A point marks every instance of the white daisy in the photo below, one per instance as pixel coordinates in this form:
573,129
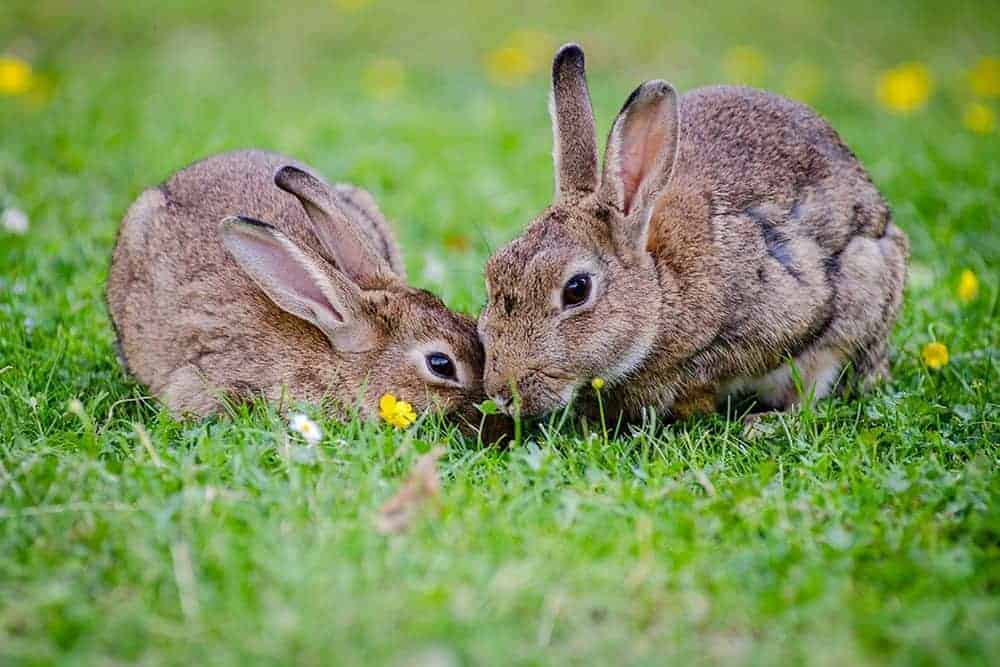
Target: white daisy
306,427
14,221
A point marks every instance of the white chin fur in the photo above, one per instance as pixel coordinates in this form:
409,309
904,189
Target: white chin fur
632,359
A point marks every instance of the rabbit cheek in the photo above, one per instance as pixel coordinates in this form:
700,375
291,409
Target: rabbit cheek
623,328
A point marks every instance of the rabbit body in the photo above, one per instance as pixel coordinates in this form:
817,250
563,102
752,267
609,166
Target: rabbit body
778,245
198,321
730,233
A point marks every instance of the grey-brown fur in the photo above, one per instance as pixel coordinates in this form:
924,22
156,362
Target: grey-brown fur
757,239
196,328
574,143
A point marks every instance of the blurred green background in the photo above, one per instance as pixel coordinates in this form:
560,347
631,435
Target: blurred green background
441,109
855,532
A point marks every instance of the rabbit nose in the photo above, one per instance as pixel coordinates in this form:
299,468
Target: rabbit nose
500,392
503,399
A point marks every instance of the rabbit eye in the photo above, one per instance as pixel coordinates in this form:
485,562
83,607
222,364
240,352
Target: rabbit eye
576,290
441,365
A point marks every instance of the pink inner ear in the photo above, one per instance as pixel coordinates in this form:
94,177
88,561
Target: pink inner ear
642,142
278,269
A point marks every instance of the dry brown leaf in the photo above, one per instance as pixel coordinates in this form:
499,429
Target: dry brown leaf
422,485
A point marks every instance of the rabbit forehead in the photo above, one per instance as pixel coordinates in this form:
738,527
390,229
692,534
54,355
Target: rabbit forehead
419,317
560,240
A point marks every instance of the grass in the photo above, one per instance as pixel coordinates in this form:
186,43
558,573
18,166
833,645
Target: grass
853,532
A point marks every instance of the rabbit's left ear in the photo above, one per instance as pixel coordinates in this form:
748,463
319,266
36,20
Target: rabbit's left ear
573,130
640,154
297,283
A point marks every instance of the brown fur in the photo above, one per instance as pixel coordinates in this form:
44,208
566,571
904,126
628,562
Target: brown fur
732,232
195,327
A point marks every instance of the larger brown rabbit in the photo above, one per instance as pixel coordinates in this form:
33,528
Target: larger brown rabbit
301,297
731,236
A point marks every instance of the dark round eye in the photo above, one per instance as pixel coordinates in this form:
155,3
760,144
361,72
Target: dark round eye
441,365
576,290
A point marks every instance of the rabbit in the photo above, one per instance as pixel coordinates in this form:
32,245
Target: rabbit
731,246
247,275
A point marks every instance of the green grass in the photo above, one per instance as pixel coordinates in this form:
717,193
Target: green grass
853,532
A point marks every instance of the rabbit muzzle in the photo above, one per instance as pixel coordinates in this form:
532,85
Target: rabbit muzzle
530,391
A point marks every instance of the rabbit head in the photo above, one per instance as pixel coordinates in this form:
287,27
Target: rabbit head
577,295
381,335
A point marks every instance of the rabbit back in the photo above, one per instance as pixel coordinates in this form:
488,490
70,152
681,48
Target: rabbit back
805,262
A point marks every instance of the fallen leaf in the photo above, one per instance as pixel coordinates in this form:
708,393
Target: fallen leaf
456,242
422,485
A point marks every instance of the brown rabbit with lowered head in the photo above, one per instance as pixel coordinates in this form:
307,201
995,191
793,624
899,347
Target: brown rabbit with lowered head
247,275
731,236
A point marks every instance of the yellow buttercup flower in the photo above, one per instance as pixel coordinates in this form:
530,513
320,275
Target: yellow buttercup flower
935,355
16,77
744,64
906,88
985,77
979,118
968,286
398,413
597,384
383,78
523,53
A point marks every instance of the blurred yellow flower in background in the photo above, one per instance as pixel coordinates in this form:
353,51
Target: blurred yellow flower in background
456,241
935,355
16,76
398,413
744,64
968,286
905,88
383,78
351,5
979,118
597,383
803,81
523,54
985,77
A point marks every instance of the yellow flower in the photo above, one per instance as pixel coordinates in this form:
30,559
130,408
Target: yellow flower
979,118
16,77
935,355
905,88
744,64
398,413
597,384
383,78
523,53
968,286
985,77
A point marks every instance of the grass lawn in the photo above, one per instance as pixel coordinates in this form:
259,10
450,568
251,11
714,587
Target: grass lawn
851,533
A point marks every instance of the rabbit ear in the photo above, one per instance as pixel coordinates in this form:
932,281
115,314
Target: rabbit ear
574,135
640,154
347,245
297,283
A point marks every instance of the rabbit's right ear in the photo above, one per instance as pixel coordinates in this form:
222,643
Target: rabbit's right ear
347,245
573,132
297,283
640,154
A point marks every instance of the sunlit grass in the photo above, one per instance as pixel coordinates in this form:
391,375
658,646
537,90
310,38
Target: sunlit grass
860,531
